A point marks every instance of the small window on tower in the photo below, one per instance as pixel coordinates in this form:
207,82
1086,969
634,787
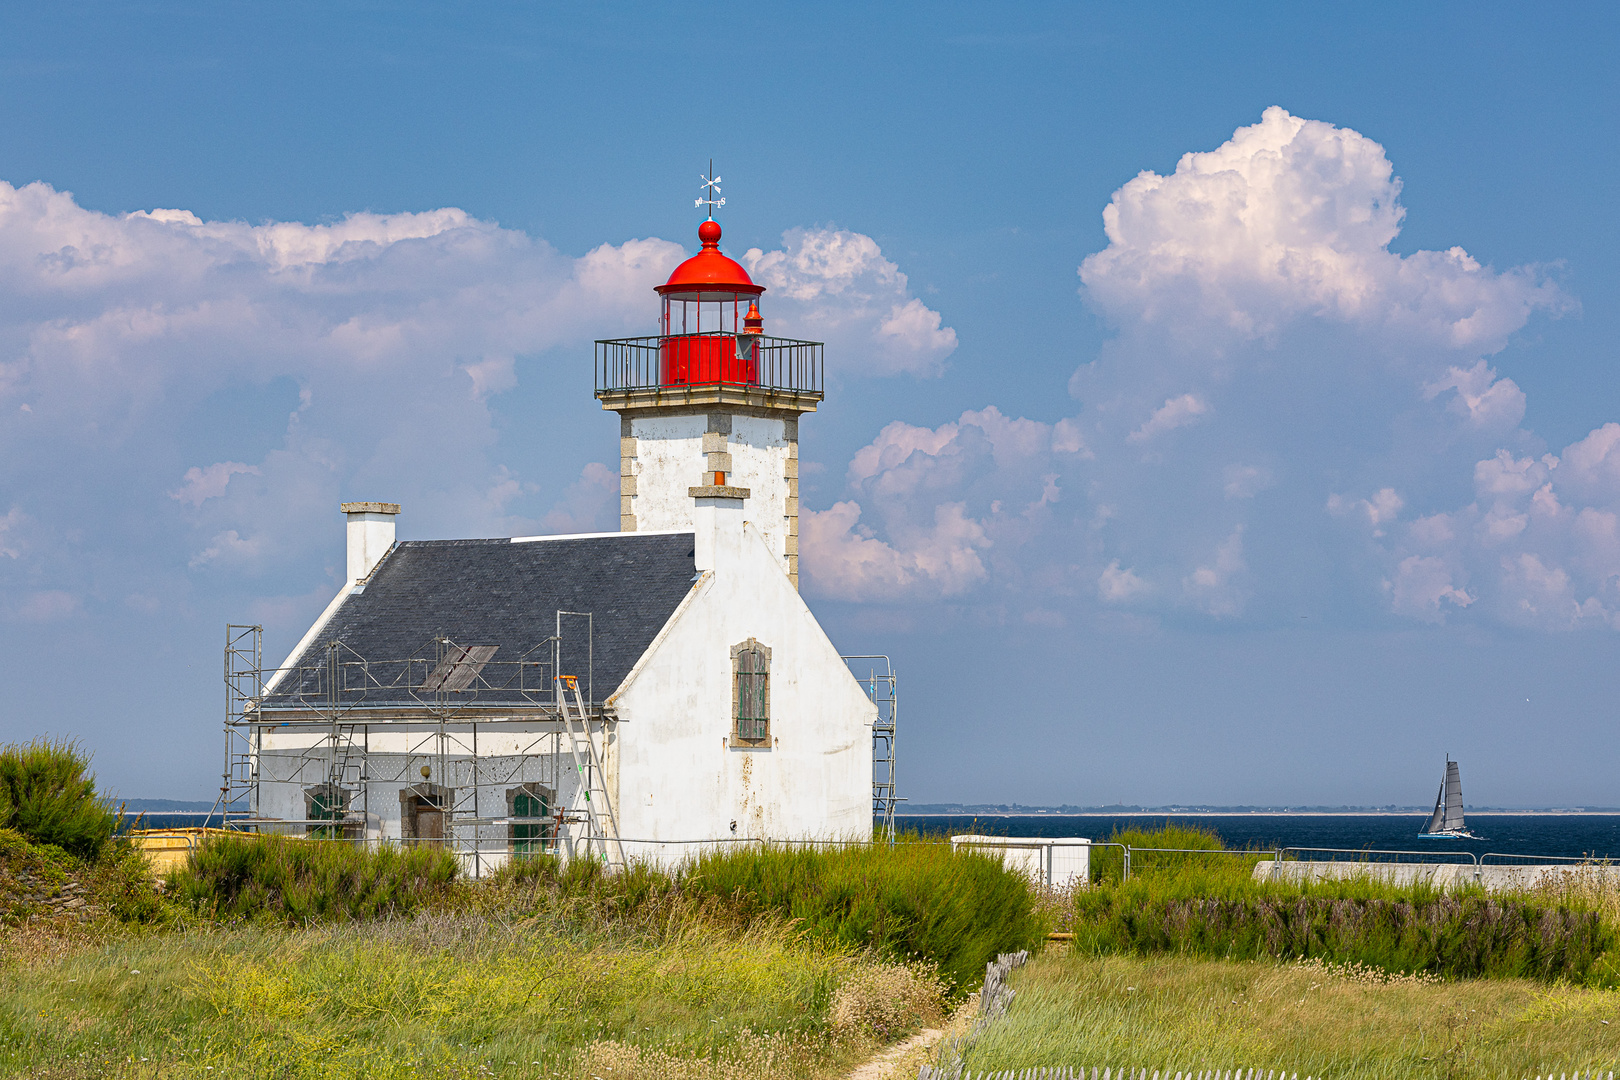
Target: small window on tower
751,692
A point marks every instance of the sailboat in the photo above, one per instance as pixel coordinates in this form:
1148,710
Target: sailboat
1446,823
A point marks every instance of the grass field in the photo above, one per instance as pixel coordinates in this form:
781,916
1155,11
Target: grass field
1183,1013
298,959
315,959
452,995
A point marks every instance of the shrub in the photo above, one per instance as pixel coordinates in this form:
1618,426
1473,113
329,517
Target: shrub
299,879
915,901
123,884
1451,935
48,795
1213,907
1108,863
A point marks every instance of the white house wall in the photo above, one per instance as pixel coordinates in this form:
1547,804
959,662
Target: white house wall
679,777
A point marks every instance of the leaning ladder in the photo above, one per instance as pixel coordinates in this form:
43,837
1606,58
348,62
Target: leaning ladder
603,823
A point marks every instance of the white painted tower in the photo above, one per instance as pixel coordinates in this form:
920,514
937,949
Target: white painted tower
709,408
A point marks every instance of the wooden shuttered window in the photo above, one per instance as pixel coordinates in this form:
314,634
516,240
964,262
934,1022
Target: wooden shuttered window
751,692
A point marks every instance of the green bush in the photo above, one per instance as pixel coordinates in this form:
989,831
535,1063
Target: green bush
299,879
1211,906
48,795
1455,935
1108,863
915,901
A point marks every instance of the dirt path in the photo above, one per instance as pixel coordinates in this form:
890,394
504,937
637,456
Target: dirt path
889,1064
901,1061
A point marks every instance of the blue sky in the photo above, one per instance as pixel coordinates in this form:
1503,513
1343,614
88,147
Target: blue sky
1286,484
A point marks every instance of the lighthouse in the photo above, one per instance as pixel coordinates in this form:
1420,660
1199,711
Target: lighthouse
644,694
709,407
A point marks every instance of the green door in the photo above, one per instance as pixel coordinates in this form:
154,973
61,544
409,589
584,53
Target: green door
529,837
325,806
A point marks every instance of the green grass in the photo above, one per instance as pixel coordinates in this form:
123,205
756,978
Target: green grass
442,995
1181,1013
1211,906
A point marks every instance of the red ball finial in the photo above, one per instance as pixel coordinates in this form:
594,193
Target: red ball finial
709,233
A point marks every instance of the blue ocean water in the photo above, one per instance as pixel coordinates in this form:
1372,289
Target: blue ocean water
1560,835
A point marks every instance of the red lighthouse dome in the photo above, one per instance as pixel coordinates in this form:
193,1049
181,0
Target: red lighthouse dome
709,275
706,339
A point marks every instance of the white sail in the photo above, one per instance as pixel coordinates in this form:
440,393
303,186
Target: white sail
1454,805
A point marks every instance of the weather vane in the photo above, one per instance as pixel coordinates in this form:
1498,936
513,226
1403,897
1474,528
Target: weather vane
711,188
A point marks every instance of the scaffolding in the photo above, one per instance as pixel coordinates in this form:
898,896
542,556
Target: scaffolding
472,744
882,686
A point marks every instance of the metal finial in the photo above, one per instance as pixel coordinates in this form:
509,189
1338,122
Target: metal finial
711,188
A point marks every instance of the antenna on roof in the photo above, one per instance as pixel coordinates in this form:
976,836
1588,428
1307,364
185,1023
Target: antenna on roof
711,188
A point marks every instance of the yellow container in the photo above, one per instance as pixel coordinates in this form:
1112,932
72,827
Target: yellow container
166,850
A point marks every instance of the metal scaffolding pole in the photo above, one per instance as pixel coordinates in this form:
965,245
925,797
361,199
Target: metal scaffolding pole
881,685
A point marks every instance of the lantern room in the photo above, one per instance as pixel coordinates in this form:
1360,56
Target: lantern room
711,336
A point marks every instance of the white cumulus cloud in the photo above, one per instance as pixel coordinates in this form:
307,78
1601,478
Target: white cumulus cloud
1486,401
1115,583
203,483
1293,218
1539,545
1175,412
1269,340
1217,586
837,286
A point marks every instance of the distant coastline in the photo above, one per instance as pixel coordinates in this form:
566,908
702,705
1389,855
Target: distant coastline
160,806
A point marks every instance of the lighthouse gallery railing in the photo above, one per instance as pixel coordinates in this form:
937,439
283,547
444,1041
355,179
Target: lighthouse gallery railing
779,364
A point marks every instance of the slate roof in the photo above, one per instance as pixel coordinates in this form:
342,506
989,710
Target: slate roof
497,593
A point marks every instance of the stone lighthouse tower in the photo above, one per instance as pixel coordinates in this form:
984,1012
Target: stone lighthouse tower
709,407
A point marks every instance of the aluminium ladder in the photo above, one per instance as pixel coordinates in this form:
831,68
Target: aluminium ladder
600,818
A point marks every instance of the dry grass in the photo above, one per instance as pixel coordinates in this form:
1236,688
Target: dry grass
884,1001
1319,1018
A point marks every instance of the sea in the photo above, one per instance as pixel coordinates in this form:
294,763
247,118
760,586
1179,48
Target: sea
1510,837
